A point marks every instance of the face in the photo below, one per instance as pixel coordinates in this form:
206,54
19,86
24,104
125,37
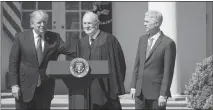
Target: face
39,24
150,24
90,25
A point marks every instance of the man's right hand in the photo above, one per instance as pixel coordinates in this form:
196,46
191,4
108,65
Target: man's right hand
16,91
132,93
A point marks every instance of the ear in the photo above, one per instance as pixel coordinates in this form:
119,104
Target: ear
157,24
31,25
98,22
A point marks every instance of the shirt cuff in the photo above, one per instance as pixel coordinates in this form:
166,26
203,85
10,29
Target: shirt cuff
165,97
14,86
132,89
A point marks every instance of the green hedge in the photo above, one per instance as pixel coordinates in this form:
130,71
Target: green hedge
200,87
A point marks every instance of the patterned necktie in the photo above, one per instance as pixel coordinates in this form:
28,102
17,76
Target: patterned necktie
40,56
39,50
149,47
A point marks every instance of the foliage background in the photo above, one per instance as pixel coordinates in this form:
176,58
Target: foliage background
200,87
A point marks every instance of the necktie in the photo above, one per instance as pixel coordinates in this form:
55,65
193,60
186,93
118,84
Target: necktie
39,50
91,41
149,47
40,56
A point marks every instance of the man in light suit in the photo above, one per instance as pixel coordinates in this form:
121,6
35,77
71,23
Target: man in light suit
29,57
154,65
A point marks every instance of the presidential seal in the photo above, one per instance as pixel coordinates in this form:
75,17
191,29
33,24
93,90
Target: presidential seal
79,67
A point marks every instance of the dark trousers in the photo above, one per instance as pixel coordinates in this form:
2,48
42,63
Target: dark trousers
41,100
147,104
110,105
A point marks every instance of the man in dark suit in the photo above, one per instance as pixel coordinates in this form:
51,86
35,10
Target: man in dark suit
29,57
154,65
99,45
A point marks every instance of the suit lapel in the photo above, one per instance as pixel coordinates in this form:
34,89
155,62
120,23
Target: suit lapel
46,46
32,45
46,43
157,43
144,46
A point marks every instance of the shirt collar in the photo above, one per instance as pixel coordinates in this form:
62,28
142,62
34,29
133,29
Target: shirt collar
95,35
36,35
156,35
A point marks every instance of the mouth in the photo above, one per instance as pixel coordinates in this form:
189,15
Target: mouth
42,29
88,29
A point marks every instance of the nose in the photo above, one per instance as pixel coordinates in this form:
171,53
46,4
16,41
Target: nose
42,23
144,23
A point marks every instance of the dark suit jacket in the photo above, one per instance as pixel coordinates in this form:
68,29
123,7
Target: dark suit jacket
153,76
24,67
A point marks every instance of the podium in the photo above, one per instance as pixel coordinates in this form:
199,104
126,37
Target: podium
78,87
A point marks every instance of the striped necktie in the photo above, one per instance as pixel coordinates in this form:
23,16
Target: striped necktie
149,47
39,56
39,50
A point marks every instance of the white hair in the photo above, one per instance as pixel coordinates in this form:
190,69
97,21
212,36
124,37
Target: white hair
91,14
155,15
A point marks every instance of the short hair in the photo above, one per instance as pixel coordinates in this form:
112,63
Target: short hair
93,14
36,13
155,15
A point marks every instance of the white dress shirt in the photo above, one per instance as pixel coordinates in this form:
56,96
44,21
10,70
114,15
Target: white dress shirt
94,37
154,37
36,36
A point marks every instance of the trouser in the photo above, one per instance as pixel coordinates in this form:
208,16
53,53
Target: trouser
147,104
42,98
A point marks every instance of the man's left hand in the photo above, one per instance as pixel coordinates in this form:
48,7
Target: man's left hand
162,101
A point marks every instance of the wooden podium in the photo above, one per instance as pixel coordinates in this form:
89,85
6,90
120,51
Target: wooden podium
79,96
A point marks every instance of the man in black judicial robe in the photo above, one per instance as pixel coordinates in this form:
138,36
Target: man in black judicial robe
99,45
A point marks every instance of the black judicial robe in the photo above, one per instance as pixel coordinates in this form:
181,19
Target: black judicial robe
105,47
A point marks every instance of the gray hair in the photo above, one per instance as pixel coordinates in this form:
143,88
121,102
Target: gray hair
95,16
36,13
155,15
